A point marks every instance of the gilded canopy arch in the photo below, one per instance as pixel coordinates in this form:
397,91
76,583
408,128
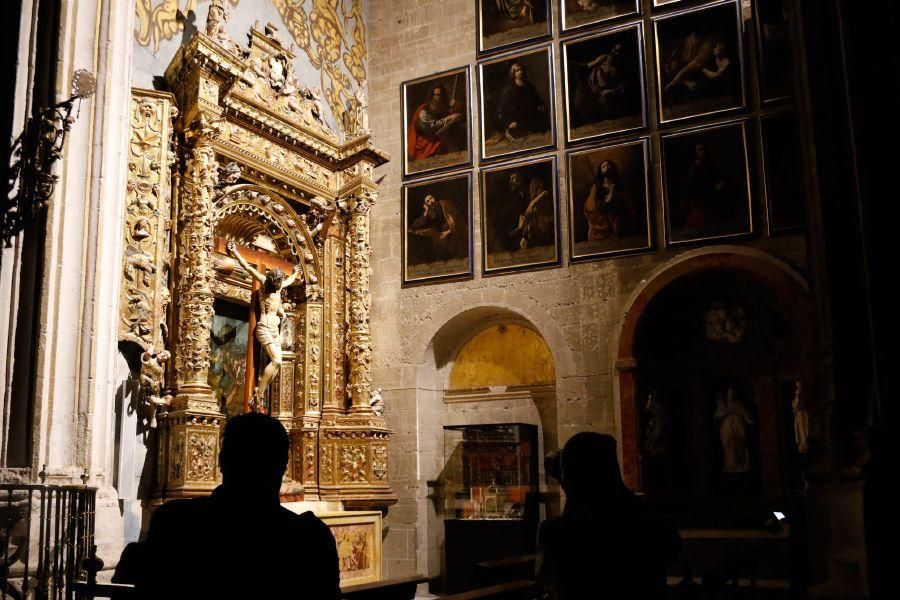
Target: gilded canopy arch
258,203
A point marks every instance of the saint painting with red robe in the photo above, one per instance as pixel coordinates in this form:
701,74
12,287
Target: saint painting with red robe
428,133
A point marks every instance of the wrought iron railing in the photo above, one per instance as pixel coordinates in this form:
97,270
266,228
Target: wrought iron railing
45,533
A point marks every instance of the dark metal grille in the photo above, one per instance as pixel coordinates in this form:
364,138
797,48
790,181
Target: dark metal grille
45,533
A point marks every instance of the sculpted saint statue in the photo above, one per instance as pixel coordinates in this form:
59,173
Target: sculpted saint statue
271,312
734,421
801,419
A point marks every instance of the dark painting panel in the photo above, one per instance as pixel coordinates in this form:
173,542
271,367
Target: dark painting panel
505,23
604,84
580,13
437,229
437,122
520,216
775,79
699,62
517,111
609,201
784,191
706,185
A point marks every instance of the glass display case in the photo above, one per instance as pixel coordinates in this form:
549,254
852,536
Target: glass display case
490,470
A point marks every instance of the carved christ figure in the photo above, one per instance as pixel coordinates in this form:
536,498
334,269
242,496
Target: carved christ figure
271,312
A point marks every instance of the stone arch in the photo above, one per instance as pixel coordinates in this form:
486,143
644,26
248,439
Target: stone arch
258,203
764,268
451,327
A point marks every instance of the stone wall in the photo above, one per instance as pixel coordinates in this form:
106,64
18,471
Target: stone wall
577,308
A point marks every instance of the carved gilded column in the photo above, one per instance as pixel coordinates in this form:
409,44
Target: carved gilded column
334,343
192,426
359,347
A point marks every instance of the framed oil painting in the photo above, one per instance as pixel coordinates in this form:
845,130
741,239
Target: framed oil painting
520,216
784,192
706,184
775,77
357,535
437,229
699,62
517,104
503,24
582,13
609,201
437,122
604,84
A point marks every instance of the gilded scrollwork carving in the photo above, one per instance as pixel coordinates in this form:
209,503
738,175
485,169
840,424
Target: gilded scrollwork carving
145,295
201,456
269,80
379,462
354,466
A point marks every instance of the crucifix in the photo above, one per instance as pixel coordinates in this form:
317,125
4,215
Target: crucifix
267,328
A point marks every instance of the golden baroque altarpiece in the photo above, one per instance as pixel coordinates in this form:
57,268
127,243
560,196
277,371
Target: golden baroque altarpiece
246,156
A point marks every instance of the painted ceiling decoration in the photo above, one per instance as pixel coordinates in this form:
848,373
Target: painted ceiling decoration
332,34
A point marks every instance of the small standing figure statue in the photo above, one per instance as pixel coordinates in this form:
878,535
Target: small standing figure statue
268,327
734,421
376,402
152,379
801,420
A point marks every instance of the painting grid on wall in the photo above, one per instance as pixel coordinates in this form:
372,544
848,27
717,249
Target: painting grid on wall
437,122
609,201
520,216
604,84
517,104
437,229
583,13
699,61
784,192
706,183
504,24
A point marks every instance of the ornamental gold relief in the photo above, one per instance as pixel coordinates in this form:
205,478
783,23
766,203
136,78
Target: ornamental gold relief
145,276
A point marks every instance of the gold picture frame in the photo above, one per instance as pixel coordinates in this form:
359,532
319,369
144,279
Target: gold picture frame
699,56
573,15
706,184
520,216
358,538
517,102
437,144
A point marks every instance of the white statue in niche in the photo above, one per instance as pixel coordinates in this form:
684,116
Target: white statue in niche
376,402
271,312
734,421
801,419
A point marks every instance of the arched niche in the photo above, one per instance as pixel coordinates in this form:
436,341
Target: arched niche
452,390
248,209
270,234
510,355
710,322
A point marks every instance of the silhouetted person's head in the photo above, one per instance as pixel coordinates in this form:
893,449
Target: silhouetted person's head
254,455
590,469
